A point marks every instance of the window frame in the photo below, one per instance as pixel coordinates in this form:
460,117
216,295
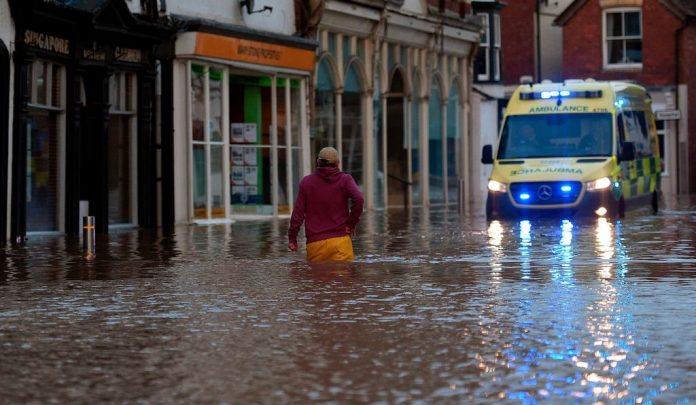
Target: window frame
623,38
485,46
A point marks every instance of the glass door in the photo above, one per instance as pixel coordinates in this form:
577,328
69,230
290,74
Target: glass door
208,160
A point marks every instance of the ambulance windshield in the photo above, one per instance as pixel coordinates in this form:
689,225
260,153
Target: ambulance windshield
556,135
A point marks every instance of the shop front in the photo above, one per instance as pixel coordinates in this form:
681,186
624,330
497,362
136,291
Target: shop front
6,38
244,142
391,91
84,134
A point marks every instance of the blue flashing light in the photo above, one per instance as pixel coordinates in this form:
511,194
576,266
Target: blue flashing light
620,102
524,196
566,188
565,93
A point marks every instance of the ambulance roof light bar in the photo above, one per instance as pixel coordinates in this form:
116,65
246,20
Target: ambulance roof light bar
558,94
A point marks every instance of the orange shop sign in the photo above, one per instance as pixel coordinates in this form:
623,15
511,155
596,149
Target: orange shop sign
262,53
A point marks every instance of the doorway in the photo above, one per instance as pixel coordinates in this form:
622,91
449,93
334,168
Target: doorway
397,145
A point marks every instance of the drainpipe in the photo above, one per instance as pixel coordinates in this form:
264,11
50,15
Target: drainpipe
677,76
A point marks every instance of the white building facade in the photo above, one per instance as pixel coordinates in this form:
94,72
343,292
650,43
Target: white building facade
391,90
385,82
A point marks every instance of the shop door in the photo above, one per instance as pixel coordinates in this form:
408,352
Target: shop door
122,149
397,146
44,148
208,143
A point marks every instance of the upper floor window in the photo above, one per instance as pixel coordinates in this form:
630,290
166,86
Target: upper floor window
623,38
487,66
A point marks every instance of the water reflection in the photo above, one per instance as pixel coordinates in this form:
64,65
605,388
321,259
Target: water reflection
437,308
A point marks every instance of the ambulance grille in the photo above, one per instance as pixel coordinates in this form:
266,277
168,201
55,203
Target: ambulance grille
546,192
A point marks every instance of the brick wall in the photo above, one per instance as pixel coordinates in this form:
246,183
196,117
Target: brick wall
518,38
582,46
459,7
687,62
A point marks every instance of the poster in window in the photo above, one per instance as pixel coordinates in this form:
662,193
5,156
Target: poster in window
250,175
237,175
237,133
238,190
249,191
237,156
250,156
250,132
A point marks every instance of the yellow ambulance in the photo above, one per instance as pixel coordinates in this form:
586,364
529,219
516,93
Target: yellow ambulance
574,148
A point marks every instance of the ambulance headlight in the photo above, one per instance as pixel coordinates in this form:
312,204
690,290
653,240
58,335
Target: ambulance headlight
599,184
496,186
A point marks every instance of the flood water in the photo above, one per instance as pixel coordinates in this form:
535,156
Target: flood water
437,308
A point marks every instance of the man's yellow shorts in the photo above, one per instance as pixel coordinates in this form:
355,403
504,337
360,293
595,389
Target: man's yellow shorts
338,249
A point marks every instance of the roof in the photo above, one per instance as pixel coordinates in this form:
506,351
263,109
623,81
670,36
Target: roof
682,9
569,12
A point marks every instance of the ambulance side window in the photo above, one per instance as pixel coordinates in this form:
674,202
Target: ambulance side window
636,130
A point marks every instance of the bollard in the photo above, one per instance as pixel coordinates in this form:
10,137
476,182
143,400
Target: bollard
88,238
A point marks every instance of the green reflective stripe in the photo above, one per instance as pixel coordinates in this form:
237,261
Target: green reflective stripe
653,165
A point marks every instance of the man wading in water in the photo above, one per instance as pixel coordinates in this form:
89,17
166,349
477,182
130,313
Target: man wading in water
329,203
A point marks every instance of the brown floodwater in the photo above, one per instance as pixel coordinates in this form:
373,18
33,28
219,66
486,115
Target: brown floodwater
437,308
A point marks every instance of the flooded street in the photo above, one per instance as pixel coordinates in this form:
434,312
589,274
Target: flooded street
437,308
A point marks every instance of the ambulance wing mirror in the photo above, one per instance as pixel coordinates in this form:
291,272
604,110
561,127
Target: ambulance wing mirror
487,155
628,151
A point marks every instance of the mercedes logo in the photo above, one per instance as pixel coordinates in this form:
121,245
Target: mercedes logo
544,192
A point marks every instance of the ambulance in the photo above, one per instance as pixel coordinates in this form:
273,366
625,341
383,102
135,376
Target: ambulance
577,148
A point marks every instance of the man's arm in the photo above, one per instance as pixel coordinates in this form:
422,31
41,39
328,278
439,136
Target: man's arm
296,220
358,201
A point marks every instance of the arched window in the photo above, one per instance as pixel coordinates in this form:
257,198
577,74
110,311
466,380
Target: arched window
352,124
415,141
435,143
378,173
453,143
324,125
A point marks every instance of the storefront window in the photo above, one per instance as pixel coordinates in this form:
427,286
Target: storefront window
453,143
435,144
250,138
208,160
289,158
122,149
352,142
415,142
44,139
378,160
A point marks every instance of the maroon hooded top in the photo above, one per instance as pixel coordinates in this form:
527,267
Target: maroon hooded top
322,204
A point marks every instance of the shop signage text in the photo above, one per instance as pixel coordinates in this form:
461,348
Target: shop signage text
94,54
251,51
259,52
128,55
47,42
667,115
